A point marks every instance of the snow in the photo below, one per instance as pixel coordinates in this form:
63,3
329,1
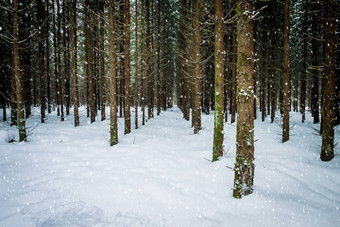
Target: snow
159,175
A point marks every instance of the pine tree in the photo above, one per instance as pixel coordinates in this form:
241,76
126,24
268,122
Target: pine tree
73,34
127,113
328,88
17,73
244,166
88,47
196,71
219,81
285,77
112,73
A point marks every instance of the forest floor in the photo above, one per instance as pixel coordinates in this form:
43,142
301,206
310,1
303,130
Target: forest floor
160,175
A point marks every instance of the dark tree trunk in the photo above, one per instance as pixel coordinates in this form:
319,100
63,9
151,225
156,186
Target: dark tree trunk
328,113
73,34
285,77
18,74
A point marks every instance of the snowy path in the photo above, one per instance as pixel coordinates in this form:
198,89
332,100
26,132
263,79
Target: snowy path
159,176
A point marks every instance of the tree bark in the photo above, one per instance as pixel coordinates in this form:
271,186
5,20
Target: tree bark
73,34
285,77
18,74
244,166
196,59
89,60
102,62
60,76
40,11
219,81
233,75
112,72
127,113
328,113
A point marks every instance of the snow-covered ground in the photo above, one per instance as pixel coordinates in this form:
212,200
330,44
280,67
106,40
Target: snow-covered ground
160,175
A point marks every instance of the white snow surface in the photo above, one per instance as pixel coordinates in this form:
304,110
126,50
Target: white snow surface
160,175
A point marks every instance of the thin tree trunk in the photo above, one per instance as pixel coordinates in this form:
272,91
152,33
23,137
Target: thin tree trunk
285,77
60,76
219,81
328,113
196,59
143,63
40,10
102,62
48,68
73,34
148,60
304,73
66,59
18,74
159,100
112,72
263,73
233,75
136,62
244,166
127,113
88,47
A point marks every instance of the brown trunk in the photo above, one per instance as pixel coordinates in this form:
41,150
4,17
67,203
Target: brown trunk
40,10
233,75
285,77
55,45
66,59
102,62
127,114
60,76
159,99
112,73
263,72
196,59
48,69
73,34
18,74
219,81
244,166
89,60
328,96
136,62
143,70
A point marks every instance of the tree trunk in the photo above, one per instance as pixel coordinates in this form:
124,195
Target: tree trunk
127,114
159,98
196,59
233,76
17,74
244,166
112,72
219,81
328,113
60,76
40,11
48,68
102,62
285,77
73,34
136,62
89,60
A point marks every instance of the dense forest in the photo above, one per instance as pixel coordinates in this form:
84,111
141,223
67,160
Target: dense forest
241,59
